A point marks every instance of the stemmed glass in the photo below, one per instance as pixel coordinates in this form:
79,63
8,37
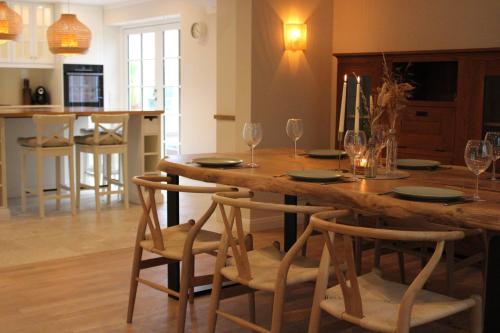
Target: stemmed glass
295,130
355,146
494,139
379,135
478,155
252,134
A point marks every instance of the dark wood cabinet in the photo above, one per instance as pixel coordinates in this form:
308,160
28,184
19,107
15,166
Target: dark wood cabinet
439,126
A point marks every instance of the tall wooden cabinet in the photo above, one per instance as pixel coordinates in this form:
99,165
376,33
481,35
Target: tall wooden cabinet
438,127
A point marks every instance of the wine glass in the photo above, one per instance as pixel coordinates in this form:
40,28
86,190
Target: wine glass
355,146
295,130
379,134
478,156
252,134
494,139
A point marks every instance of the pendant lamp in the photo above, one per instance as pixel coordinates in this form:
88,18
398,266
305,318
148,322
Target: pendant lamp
68,36
11,23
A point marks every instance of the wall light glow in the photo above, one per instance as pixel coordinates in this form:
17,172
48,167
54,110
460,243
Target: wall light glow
295,36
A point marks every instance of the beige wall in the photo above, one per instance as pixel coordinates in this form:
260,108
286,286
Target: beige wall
292,84
11,83
401,25
198,78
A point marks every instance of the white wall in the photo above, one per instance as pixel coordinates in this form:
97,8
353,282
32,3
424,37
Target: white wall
198,71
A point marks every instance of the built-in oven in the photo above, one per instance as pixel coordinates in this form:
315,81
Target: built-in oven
83,85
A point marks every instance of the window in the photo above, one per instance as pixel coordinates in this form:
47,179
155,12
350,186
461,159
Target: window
154,70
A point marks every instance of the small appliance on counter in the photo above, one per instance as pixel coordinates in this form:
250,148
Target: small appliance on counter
83,85
40,96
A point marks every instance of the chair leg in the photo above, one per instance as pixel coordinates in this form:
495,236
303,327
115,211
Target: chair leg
278,304
377,250
186,278
40,178
72,181
191,285
108,177
133,282
401,263
450,266
251,307
307,219
97,180
78,177
58,182
476,316
23,182
214,302
125,179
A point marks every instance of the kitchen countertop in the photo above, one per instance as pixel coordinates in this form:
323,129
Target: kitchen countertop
24,111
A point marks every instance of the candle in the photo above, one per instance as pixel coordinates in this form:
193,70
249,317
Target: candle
356,111
342,110
371,105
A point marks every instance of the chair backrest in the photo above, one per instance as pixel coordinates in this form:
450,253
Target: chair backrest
325,223
110,128
147,187
233,225
50,128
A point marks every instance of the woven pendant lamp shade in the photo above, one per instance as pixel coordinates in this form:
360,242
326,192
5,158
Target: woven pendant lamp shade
11,23
68,36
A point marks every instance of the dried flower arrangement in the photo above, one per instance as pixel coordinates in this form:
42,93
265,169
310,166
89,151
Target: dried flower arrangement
391,98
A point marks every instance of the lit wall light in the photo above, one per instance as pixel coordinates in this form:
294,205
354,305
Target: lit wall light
295,37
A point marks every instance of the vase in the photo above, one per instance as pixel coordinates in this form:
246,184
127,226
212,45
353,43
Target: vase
391,152
371,160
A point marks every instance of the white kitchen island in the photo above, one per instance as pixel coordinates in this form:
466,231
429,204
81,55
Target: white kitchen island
144,142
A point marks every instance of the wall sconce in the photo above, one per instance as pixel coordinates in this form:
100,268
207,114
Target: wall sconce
295,37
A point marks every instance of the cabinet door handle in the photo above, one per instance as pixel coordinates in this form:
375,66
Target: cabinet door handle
422,113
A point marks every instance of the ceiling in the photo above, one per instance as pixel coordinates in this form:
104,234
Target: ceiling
207,3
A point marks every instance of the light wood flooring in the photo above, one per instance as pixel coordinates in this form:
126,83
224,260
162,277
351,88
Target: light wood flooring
71,274
89,294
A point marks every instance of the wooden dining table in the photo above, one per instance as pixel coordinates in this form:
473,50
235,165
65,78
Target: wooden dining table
374,195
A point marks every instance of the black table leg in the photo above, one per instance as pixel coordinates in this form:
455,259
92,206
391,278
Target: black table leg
290,231
492,286
173,220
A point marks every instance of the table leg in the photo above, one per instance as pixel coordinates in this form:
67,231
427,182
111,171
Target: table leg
173,220
290,230
492,286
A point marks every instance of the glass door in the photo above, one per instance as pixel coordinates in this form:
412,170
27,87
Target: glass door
153,69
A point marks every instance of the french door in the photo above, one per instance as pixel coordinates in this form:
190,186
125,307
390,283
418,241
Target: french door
153,62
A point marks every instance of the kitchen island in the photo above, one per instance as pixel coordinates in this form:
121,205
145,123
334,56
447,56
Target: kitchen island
144,142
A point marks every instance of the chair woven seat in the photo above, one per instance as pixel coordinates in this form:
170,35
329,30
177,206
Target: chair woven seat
48,142
89,140
381,299
264,265
174,239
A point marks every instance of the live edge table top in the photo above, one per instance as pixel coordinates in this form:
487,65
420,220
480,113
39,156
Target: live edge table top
28,112
365,194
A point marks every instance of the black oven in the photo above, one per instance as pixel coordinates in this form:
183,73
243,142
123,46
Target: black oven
83,85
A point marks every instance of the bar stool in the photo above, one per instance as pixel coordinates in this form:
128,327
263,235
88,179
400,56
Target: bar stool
54,137
109,137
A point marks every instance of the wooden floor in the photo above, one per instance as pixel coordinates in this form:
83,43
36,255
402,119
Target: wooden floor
89,294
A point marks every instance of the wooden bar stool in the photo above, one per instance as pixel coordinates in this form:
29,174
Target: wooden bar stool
371,302
54,138
265,269
181,243
109,137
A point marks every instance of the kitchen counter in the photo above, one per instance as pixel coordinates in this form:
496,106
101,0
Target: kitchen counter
27,111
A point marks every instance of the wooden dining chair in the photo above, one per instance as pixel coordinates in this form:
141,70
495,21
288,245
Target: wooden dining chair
454,261
265,269
371,302
110,136
54,138
175,244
